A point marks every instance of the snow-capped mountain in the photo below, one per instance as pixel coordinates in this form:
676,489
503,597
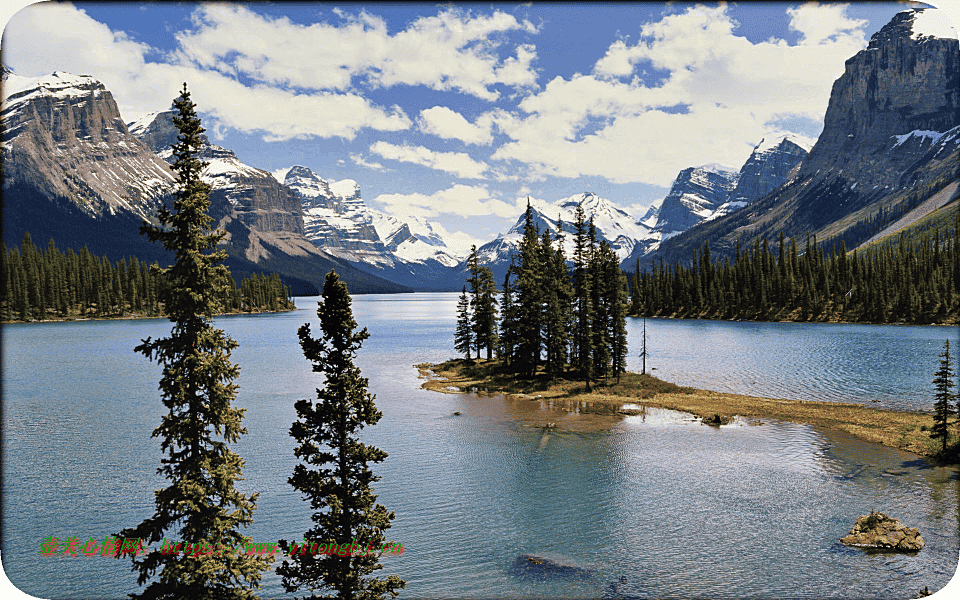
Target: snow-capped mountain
336,219
623,232
73,171
695,195
767,169
63,136
888,142
239,192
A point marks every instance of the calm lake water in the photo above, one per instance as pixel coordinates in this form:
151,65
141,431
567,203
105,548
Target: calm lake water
647,507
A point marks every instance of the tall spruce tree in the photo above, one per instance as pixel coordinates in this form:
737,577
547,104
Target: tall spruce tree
483,303
201,504
463,337
943,404
558,291
334,473
485,313
582,342
530,297
508,320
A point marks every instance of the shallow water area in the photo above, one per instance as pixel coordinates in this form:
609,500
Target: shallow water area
647,506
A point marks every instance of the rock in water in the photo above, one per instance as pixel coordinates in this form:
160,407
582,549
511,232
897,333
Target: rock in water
882,532
541,567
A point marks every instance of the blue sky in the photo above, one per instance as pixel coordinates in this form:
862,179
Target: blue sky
457,113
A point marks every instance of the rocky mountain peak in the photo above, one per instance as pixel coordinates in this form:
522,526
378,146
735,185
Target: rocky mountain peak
904,81
695,195
64,133
766,170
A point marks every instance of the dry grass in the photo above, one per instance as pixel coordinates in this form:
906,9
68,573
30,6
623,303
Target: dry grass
903,430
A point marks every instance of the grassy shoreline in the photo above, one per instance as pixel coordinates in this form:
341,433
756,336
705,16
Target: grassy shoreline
903,430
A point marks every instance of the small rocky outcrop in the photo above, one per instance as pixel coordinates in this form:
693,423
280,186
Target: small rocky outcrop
717,420
882,532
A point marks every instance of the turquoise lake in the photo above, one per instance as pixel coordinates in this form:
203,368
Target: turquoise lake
645,507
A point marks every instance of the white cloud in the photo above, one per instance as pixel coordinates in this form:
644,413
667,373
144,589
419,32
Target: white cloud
458,163
84,46
458,242
363,162
449,124
721,94
453,50
819,23
463,200
281,174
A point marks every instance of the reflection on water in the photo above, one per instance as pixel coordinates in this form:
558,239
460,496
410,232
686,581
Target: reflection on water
646,506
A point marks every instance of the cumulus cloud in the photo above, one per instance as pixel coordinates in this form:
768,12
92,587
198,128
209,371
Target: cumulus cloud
363,162
84,46
458,242
819,23
458,163
446,123
453,50
721,93
463,200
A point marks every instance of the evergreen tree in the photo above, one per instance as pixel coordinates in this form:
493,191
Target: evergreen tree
483,302
201,504
530,297
943,405
582,346
463,338
485,313
617,291
333,473
558,297
508,320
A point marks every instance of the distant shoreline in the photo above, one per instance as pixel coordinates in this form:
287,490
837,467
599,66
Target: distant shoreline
136,317
903,430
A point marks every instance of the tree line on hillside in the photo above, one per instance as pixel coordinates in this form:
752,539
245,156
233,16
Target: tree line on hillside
914,281
549,314
39,284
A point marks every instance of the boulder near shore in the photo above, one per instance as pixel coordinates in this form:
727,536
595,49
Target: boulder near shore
882,532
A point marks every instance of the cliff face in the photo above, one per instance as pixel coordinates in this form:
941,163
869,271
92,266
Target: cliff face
891,139
903,81
239,191
333,212
766,170
695,195
63,138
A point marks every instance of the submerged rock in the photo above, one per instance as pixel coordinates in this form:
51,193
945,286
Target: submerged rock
882,532
541,566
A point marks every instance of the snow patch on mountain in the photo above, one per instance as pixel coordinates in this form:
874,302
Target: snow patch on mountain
336,218
934,136
930,22
58,85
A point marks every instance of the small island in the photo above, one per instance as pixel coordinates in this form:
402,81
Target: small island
903,430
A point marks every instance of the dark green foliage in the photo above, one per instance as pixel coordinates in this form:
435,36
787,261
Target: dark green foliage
201,504
552,319
81,285
530,297
583,339
912,281
463,338
509,327
943,405
333,472
557,307
483,302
